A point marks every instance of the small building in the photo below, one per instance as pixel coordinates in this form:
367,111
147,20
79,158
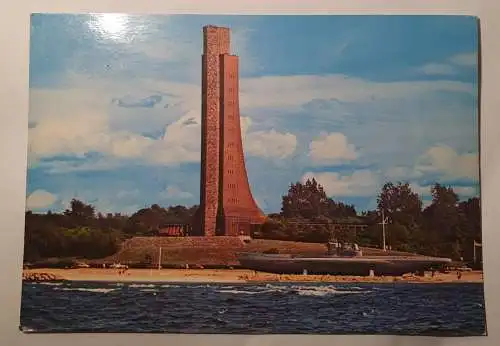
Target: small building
174,230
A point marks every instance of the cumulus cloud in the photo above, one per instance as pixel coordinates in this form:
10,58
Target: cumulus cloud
425,191
179,143
295,91
464,59
270,144
331,148
359,183
402,173
438,69
440,161
83,123
40,199
444,160
82,134
175,192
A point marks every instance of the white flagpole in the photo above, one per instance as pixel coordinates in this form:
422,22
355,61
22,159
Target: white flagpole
383,230
159,260
383,223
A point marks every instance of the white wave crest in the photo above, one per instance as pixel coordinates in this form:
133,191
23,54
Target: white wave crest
81,289
296,289
240,292
149,290
50,283
142,285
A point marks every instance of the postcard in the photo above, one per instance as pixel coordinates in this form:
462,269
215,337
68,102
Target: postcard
299,174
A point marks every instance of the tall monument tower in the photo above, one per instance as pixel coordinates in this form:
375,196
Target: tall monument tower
227,206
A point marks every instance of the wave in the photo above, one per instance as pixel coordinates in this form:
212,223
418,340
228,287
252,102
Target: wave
240,291
296,289
149,290
142,285
50,283
82,289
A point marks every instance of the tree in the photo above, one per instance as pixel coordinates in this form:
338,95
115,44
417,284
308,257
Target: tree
403,207
339,209
307,200
442,222
400,204
80,214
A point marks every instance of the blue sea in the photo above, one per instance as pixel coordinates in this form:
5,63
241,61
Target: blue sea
289,308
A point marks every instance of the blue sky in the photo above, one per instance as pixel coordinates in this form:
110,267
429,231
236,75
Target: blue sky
353,101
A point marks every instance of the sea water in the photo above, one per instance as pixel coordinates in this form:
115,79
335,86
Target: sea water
284,308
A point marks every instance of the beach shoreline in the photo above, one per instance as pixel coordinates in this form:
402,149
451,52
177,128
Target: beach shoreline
228,276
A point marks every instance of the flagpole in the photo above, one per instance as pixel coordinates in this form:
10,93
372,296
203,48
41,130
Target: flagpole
383,231
383,223
474,252
159,259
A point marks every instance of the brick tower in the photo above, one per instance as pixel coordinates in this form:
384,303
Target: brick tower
227,206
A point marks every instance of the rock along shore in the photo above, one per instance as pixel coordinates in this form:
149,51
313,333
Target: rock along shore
41,277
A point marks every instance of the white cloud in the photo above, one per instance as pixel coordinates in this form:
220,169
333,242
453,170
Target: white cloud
245,123
174,192
40,199
359,183
440,161
331,148
425,191
270,144
294,91
465,59
82,134
445,161
421,190
78,121
180,142
402,173
438,69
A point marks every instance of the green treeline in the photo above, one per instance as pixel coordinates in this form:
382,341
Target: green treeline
82,232
447,227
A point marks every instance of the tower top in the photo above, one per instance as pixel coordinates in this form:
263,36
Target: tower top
216,40
214,27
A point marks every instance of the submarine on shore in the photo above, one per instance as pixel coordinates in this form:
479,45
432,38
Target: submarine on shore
340,259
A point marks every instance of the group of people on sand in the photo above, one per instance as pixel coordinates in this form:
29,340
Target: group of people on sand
123,271
122,268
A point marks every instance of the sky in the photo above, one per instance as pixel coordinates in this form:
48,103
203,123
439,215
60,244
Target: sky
353,101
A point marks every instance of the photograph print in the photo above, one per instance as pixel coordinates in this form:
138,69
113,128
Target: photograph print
284,174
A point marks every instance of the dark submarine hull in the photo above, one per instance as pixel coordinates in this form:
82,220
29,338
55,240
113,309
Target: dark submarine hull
338,265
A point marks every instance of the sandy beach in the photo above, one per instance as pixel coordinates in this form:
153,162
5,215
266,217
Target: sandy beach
233,276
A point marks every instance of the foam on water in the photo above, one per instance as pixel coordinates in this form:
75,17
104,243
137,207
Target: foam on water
49,283
82,289
149,290
302,290
240,291
142,285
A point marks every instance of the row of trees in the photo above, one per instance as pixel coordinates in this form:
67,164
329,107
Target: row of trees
446,227
81,231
